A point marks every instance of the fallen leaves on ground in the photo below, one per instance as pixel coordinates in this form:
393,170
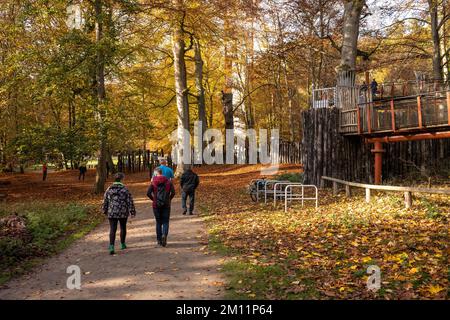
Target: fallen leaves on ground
324,253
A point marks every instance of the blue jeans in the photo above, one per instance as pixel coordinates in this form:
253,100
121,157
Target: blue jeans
162,217
191,195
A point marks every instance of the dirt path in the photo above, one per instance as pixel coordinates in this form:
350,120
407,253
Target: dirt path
182,270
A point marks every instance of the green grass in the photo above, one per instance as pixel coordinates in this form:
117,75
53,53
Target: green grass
50,228
292,177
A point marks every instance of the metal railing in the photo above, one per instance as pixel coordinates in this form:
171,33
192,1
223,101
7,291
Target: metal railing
280,193
288,195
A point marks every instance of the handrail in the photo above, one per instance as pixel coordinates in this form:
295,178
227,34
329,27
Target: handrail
387,188
407,190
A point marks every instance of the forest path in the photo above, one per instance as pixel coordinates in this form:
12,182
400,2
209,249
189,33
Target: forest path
182,270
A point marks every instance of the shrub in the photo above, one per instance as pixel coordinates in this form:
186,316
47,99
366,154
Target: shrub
292,177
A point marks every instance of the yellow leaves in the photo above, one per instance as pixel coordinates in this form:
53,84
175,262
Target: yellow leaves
366,259
333,247
354,243
434,289
413,271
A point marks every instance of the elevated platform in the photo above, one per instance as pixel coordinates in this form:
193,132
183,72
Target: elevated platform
403,115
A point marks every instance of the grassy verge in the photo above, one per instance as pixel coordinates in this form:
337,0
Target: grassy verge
39,231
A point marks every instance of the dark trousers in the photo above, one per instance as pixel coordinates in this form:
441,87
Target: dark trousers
44,175
113,228
162,217
184,196
82,174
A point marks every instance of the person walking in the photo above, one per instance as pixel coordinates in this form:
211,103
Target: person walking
118,205
189,182
83,169
166,171
161,192
44,171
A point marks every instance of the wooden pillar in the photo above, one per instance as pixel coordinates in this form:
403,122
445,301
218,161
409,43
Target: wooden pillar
348,191
419,111
408,200
367,195
378,153
448,107
335,188
392,115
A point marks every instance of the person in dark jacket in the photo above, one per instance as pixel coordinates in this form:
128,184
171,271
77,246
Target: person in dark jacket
118,205
44,171
161,192
189,182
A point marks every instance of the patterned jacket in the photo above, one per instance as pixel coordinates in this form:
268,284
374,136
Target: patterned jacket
118,202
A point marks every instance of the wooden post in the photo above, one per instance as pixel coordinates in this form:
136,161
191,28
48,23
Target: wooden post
448,107
378,152
358,115
367,195
408,200
419,111
335,188
369,122
348,191
392,115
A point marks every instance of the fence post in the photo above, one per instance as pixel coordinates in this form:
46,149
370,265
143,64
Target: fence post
335,188
348,191
367,195
408,200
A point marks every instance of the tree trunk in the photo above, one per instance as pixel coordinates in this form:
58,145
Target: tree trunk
352,15
100,178
227,94
178,47
199,86
437,67
228,114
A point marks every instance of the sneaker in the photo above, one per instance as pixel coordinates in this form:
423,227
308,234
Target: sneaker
111,249
123,246
191,213
184,212
164,240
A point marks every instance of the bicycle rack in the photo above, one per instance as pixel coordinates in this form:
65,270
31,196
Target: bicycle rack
281,193
299,196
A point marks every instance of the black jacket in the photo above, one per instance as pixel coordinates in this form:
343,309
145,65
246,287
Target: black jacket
189,181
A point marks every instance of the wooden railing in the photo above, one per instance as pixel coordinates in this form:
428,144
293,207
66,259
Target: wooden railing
368,187
398,114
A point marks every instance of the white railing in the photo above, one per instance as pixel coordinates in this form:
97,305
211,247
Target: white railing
323,98
269,191
288,195
280,192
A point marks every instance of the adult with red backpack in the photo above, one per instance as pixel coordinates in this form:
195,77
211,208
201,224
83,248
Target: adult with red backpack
161,192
